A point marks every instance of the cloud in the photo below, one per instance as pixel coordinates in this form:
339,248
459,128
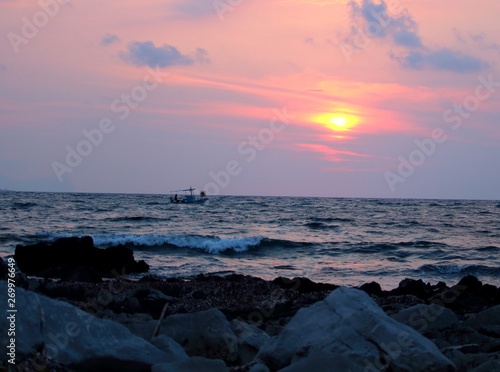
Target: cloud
480,39
401,31
195,8
381,23
109,40
145,53
442,59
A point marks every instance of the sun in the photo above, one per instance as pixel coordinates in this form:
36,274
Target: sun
338,122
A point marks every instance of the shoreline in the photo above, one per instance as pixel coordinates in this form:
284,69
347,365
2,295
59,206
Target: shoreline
267,306
70,300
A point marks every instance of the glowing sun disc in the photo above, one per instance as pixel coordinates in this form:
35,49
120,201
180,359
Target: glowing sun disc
337,122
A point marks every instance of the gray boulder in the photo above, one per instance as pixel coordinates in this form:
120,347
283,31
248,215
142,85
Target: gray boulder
467,339
192,364
71,336
324,361
488,317
141,325
205,333
250,340
174,352
349,324
427,318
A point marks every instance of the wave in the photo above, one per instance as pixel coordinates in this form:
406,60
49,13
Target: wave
208,244
320,226
332,219
382,247
133,218
23,205
373,248
491,248
422,244
477,270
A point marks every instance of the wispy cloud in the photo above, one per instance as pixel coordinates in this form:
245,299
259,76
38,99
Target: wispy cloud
330,154
401,31
109,40
195,8
145,53
478,38
440,59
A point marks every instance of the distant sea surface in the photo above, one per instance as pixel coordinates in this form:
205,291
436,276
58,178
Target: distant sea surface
339,241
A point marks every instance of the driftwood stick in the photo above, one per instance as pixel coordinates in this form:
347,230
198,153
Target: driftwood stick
157,328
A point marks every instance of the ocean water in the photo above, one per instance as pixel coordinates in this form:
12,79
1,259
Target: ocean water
332,240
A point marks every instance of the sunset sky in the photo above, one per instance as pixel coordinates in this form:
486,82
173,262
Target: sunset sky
252,97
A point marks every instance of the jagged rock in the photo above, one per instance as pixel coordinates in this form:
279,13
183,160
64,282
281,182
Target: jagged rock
82,274
491,364
471,283
192,364
427,318
484,318
172,349
303,285
412,287
259,367
348,323
141,325
71,336
148,300
470,295
4,269
461,336
319,360
250,340
482,362
64,255
205,333
372,288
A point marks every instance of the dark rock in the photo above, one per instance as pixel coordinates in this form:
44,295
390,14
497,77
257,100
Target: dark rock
303,285
110,365
372,288
83,274
199,295
22,281
4,269
468,295
412,287
490,292
192,364
173,351
250,340
206,334
64,255
427,318
54,290
147,300
471,282
460,336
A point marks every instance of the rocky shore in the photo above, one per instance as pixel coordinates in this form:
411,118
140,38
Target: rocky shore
242,323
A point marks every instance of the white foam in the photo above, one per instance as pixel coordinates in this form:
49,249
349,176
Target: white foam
210,244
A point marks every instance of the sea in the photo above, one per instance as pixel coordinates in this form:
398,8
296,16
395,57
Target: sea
332,240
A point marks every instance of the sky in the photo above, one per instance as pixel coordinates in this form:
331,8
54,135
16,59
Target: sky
361,98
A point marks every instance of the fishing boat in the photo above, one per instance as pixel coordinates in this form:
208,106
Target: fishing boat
188,197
